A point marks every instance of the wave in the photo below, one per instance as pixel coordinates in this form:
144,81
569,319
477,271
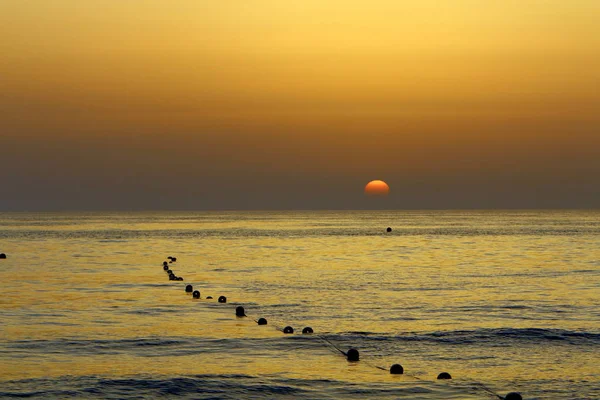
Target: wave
492,336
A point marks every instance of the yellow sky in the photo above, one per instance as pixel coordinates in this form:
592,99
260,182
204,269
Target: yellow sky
354,87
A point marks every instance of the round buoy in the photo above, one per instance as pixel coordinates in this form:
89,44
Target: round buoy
222,299
173,259
165,268
189,289
240,312
208,297
307,330
169,271
172,278
169,258
388,230
2,255
352,355
179,278
513,396
165,263
288,329
396,369
196,294
444,375
262,321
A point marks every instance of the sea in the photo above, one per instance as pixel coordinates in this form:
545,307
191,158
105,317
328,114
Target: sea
503,301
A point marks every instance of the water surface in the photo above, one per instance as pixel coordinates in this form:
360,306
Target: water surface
504,301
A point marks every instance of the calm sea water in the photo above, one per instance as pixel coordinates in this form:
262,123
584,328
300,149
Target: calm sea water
503,301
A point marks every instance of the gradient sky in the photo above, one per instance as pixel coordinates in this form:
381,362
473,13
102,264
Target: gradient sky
191,104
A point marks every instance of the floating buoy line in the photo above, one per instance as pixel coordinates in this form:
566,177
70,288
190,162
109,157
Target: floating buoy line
352,355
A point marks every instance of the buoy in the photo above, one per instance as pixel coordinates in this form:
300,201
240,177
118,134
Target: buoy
169,258
169,271
196,294
179,278
388,229
165,268
444,375
222,299
352,355
262,321
288,329
513,396
172,277
396,369
208,297
307,330
2,255
240,312
173,259
189,289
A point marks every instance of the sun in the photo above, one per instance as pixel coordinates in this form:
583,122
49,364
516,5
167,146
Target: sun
377,188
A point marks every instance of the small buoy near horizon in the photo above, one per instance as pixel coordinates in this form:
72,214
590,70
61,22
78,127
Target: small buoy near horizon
352,355
174,259
165,263
169,271
240,312
388,230
444,375
189,289
2,256
262,321
307,330
179,278
513,396
172,277
165,268
288,329
222,299
169,258
396,369
208,297
196,294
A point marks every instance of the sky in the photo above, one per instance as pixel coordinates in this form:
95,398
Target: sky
256,104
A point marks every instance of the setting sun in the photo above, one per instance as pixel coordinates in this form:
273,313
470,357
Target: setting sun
377,188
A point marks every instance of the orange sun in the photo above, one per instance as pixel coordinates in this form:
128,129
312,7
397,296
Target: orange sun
377,188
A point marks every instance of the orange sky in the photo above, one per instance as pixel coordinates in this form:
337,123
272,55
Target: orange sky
271,104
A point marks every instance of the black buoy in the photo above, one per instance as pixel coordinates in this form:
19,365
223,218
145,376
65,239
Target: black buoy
196,294
165,263
172,277
189,289
2,255
208,297
169,271
307,330
396,369
165,268
288,329
513,396
169,258
444,375
173,259
222,299
388,230
179,278
240,312
262,321
352,355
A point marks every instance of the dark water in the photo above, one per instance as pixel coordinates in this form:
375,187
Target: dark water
504,301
